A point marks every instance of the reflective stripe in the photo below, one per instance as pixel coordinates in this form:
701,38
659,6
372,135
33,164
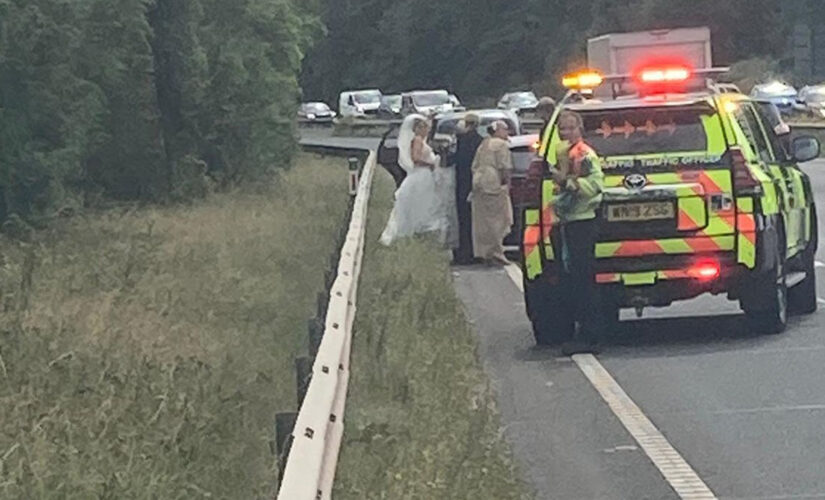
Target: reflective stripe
692,213
608,278
675,246
604,250
746,224
636,279
531,240
713,132
720,223
745,205
644,278
670,246
531,217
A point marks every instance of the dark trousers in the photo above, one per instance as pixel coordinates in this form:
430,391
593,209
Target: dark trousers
464,253
578,280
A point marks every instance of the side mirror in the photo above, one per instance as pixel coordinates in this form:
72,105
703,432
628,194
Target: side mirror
805,148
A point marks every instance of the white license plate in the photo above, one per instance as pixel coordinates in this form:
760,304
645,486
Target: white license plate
631,212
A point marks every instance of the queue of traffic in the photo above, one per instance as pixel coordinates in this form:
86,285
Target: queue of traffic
372,103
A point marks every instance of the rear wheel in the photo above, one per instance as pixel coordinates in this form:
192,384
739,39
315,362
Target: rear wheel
552,323
766,303
802,297
610,316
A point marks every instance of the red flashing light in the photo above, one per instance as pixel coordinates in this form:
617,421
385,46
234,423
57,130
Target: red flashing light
670,74
708,270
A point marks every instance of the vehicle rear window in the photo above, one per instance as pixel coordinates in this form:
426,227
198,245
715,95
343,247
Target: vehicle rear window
631,132
522,157
450,125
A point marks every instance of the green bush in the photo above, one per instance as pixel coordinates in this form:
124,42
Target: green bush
124,97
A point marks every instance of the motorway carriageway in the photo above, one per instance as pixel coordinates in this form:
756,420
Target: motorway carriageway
686,401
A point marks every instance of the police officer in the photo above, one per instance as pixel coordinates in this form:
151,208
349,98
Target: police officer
579,186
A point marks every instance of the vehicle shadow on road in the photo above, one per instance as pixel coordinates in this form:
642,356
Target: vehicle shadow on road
691,335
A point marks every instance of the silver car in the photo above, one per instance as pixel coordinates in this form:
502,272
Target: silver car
811,100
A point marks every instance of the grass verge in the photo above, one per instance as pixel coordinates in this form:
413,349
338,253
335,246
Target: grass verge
421,419
144,353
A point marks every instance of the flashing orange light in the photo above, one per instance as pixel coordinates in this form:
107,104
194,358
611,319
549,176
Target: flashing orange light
705,271
536,146
672,74
582,80
731,106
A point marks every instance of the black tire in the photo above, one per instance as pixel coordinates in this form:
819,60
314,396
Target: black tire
802,298
552,323
766,303
611,324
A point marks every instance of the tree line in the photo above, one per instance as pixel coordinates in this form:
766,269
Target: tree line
144,99
162,99
480,49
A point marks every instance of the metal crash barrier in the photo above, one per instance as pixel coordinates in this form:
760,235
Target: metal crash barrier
310,451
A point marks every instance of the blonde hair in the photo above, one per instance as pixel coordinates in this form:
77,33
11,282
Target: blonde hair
573,116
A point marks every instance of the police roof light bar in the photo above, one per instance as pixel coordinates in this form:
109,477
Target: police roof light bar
664,78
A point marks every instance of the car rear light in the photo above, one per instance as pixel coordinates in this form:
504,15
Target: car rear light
743,179
708,270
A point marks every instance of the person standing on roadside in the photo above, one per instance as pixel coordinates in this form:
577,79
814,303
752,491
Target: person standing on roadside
579,185
544,111
492,210
467,144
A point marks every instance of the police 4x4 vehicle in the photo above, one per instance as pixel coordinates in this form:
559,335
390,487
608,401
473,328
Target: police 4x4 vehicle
701,195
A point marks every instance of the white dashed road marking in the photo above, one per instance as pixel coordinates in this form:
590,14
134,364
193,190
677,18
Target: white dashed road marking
676,471
819,264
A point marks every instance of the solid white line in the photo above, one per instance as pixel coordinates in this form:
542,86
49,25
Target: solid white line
681,476
676,471
514,272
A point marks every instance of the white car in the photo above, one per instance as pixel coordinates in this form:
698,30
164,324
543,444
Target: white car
520,102
811,99
426,102
359,103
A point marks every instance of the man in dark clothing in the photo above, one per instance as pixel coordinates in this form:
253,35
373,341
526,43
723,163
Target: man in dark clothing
467,144
544,111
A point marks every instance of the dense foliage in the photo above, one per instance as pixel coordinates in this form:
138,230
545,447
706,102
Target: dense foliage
480,48
143,99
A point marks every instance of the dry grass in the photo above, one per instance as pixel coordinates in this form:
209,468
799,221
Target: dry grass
421,419
144,353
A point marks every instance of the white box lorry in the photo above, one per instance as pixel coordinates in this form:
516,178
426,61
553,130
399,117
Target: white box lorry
624,53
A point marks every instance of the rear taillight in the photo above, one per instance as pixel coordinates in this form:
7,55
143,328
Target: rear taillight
743,179
707,270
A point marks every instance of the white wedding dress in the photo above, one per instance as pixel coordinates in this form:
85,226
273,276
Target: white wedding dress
425,202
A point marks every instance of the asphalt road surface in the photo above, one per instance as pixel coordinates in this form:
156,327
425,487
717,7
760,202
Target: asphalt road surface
324,137
744,413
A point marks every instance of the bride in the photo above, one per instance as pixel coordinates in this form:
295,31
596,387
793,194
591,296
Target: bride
424,203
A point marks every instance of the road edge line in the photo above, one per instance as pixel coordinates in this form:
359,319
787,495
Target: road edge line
679,475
